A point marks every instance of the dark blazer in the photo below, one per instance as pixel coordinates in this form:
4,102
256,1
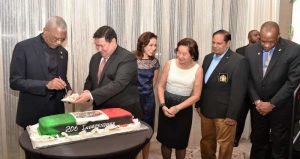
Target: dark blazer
118,84
282,75
241,50
224,99
29,74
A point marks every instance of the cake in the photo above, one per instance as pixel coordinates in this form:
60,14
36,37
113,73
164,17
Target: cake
74,126
73,123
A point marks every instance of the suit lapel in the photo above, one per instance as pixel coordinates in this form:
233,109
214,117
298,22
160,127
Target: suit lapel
223,61
207,62
259,62
276,54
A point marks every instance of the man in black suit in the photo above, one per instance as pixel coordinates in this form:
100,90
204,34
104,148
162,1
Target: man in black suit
223,92
274,75
112,78
253,37
38,70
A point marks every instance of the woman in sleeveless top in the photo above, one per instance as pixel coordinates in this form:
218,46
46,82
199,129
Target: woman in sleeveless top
178,89
148,69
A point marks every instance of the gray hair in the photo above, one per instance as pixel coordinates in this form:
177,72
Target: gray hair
56,22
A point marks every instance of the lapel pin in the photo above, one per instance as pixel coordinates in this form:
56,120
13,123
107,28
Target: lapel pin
279,50
258,53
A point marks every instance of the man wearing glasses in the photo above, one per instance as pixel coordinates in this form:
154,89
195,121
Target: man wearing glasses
38,70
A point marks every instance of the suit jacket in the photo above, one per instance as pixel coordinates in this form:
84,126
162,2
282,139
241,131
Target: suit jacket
247,101
241,50
118,83
223,97
29,74
282,75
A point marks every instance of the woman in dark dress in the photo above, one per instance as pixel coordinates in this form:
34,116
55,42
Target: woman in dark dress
148,69
178,89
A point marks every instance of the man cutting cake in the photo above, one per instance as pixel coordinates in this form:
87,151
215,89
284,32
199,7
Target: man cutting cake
112,78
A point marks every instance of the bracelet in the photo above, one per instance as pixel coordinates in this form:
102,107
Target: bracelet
162,104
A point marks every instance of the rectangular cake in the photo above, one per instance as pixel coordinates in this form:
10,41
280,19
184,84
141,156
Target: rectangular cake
75,122
76,126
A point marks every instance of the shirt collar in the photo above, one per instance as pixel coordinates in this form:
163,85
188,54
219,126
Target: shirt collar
271,51
221,56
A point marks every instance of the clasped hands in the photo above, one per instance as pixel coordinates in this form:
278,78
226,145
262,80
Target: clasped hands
263,107
170,112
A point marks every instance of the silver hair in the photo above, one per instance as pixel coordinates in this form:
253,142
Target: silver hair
57,22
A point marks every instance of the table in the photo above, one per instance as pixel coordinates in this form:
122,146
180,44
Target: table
119,146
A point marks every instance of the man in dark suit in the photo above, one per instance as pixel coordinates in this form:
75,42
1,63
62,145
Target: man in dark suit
274,74
224,89
38,70
112,78
253,37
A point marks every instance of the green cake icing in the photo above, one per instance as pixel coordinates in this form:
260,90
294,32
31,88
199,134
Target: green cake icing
47,124
76,122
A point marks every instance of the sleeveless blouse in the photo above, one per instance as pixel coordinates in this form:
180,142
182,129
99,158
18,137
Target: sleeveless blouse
181,81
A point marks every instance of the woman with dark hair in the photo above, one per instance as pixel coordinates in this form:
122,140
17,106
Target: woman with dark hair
178,89
148,69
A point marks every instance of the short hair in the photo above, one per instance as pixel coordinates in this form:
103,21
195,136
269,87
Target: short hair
251,32
192,45
227,35
269,25
143,41
56,22
106,32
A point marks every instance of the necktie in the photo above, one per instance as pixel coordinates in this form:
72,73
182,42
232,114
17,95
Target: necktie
266,63
101,66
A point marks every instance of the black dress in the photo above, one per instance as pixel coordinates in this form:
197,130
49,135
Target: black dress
175,132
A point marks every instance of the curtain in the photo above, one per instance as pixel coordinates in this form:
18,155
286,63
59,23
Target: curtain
171,20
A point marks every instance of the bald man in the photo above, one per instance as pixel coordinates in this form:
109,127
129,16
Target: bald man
38,70
274,75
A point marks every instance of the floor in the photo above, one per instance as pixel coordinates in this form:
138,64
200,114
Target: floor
193,152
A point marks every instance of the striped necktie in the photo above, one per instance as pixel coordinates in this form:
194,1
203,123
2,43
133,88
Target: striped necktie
267,62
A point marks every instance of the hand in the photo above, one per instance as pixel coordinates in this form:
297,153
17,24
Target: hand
173,110
84,97
69,93
167,112
56,84
264,108
230,122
